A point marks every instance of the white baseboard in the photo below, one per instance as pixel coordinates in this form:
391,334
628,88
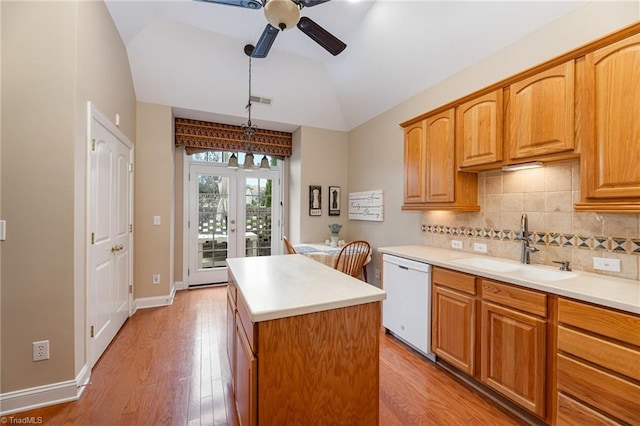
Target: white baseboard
181,285
44,396
156,301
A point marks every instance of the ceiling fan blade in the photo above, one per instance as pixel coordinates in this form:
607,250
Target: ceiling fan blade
310,3
249,4
321,36
266,40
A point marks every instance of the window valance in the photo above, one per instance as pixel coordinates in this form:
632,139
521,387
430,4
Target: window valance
203,135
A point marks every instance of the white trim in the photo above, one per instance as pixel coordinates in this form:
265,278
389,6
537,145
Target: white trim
44,396
180,285
156,301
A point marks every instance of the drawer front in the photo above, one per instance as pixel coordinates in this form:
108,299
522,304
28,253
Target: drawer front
456,280
606,392
574,413
529,301
617,325
249,327
604,353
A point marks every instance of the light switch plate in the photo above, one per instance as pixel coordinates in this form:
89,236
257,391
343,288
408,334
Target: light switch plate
605,264
3,230
156,220
479,247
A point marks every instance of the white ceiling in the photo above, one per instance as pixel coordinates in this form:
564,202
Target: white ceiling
189,55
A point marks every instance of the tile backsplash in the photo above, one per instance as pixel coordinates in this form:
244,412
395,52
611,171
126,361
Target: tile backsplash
547,196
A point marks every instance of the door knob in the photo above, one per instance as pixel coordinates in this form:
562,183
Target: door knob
117,248
233,229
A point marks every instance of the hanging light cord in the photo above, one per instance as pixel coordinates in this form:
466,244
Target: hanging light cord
249,128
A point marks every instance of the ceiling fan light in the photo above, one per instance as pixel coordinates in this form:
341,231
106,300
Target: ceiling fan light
283,14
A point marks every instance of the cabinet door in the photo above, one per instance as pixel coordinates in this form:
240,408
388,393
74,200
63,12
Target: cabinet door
542,109
440,152
453,331
246,379
479,130
611,153
231,335
414,163
512,355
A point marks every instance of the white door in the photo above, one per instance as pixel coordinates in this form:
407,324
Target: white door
232,213
110,213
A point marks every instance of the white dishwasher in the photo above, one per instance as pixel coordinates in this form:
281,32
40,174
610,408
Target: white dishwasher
406,312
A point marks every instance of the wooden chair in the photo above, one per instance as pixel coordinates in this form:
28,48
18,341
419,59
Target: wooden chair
288,246
353,257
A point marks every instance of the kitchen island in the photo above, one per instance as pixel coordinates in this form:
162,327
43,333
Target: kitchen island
303,342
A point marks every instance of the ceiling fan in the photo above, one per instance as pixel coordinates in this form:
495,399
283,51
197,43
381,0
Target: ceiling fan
282,15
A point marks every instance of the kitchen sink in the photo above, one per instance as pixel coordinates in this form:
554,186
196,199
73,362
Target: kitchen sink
490,264
536,272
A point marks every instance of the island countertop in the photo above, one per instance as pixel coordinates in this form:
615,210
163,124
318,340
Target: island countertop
282,286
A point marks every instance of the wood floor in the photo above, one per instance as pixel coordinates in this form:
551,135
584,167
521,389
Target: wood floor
169,366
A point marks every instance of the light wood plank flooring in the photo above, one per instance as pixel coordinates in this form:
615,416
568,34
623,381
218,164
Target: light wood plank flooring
169,366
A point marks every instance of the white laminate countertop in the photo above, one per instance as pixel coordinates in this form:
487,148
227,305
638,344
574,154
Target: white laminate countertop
619,293
287,285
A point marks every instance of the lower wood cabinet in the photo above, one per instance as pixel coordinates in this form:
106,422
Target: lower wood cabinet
245,378
598,365
453,332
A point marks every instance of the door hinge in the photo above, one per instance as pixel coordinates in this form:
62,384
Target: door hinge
188,224
93,238
93,144
130,289
130,227
91,331
188,271
131,167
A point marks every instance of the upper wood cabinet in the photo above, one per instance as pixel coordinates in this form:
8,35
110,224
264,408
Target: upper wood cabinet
432,181
479,129
610,163
541,114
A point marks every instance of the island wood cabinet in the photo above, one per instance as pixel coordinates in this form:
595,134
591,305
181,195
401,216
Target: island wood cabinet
513,343
316,368
453,329
432,181
479,130
541,114
610,170
598,365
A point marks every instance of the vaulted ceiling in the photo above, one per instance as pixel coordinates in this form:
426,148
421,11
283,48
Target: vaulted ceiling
189,55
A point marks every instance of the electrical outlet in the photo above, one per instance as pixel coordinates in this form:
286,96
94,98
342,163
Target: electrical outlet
479,247
40,350
376,272
156,220
156,278
604,264
456,244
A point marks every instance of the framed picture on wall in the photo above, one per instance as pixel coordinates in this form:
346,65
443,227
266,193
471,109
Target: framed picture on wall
315,200
334,201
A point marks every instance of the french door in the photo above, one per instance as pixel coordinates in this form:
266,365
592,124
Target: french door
232,213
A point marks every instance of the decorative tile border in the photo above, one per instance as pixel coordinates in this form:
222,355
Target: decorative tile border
555,239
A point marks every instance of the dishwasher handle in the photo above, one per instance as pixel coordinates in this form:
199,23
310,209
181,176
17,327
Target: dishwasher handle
407,264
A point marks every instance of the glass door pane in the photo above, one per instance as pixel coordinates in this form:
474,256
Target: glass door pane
258,216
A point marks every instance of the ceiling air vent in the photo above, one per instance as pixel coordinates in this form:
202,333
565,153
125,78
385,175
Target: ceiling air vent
258,99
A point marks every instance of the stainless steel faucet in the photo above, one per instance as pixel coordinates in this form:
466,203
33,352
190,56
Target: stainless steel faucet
525,256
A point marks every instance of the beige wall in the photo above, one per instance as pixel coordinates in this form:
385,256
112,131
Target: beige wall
49,71
375,148
154,196
319,158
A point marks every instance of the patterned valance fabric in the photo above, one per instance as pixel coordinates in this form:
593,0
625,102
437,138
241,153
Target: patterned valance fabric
203,135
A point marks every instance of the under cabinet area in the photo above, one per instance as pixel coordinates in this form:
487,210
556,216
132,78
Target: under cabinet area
598,365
